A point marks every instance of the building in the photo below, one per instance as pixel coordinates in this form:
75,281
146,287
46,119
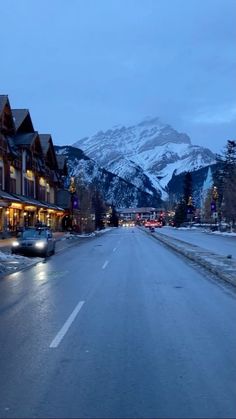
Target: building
30,178
138,214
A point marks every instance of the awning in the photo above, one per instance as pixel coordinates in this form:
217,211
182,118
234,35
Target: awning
52,206
9,197
30,201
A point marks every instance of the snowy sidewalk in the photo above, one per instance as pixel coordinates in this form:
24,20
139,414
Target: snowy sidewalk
221,265
223,244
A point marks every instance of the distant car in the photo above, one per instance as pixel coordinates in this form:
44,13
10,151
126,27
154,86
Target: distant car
37,241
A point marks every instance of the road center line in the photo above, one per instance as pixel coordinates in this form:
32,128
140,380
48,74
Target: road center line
105,264
60,335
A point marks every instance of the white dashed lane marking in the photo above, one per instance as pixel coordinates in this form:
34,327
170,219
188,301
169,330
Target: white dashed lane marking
105,264
60,335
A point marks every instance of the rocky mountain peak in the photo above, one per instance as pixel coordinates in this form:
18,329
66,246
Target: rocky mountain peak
146,154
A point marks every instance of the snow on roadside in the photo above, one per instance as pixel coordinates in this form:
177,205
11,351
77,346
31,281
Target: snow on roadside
204,230
223,233
8,256
11,263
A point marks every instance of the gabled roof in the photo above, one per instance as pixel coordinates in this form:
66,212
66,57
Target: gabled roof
12,147
61,161
22,120
25,139
45,142
48,148
3,102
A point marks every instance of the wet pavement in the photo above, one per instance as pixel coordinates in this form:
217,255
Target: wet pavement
13,263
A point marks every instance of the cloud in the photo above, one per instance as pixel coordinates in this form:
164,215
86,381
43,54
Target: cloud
222,115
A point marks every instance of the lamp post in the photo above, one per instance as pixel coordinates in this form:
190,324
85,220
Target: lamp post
214,212
190,210
72,190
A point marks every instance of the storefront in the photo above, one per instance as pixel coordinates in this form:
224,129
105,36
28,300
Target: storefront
30,217
10,213
3,209
18,211
14,216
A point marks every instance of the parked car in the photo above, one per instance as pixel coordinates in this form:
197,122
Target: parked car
36,241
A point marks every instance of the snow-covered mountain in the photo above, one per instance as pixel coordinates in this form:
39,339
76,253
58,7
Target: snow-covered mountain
113,188
147,154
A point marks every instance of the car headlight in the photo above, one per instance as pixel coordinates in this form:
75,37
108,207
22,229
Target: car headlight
15,244
40,244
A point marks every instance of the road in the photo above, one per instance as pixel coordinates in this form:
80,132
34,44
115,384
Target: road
116,327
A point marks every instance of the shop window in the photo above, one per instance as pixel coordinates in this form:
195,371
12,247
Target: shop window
29,187
41,193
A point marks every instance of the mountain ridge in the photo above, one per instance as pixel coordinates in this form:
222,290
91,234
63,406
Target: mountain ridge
147,154
113,188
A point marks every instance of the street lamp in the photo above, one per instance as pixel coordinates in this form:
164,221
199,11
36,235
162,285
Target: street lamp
190,210
72,190
214,196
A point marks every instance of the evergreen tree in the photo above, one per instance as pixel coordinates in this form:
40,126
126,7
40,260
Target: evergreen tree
188,187
225,181
218,179
229,190
84,193
99,208
180,214
206,209
188,195
114,220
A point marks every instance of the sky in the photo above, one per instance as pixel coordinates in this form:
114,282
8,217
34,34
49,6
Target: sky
81,66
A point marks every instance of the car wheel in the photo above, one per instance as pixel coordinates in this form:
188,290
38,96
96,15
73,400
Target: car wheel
45,254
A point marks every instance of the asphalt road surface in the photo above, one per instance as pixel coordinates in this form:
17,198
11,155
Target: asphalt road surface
115,327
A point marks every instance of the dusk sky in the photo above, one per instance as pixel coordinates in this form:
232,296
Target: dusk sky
81,66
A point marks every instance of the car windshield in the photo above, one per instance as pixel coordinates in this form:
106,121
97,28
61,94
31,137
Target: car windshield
28,234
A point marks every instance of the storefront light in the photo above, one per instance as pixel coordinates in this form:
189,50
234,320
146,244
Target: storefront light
29,173
30,208
16,205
